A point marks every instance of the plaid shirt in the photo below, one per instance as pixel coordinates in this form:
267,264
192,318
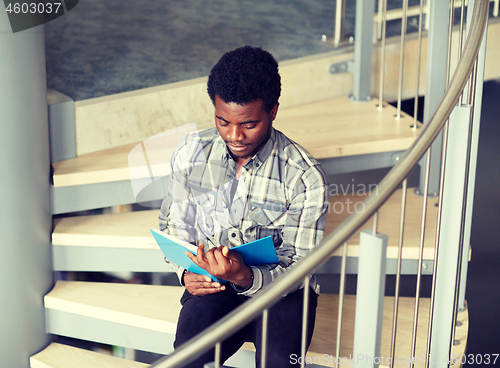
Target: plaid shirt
281,192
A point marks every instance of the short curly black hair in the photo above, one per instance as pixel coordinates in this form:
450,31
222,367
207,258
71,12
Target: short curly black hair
244,75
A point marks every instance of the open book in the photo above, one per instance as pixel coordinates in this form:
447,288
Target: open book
255,253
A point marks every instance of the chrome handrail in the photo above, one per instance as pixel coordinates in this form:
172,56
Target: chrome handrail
268,297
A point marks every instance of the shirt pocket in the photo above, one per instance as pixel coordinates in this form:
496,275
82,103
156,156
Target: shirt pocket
268,220
275,234
268,214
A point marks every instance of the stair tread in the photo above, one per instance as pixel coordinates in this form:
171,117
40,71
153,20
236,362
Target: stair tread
151,307
388,222
324,338
64,356
149,157
341,127
131,229
330,128
122,230
154,307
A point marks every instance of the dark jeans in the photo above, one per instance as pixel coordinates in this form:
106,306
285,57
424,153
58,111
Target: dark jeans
283,334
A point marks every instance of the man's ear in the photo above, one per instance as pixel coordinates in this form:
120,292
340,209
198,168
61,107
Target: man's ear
274,111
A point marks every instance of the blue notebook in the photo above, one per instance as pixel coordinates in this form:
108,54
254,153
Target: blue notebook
255,253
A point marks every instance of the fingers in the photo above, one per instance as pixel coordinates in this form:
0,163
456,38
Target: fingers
197,290
219,261
213,258
200,255
225,262
210,257
195,277
231,255
223,255
199,258
219,257
201,285
192,257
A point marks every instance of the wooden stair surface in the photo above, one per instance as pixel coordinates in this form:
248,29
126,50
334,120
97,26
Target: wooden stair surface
341,206
131,229
64,356
150,307
324,338
120,230
330,128
341,127
157,307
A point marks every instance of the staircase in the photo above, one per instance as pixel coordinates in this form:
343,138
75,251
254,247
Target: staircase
143,317
346,136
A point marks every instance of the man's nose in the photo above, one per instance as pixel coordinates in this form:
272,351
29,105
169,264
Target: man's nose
236,134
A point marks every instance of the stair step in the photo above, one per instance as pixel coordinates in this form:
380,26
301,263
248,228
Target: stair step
120,230
110,242
342,205
142,317
111,165
155,308
330,128
323,345
341,127
64,356
151,307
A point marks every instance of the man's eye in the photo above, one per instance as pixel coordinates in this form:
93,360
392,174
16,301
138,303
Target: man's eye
223,123
249,126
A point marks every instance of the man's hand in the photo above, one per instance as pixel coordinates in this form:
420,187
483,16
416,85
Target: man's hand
201,285
224,264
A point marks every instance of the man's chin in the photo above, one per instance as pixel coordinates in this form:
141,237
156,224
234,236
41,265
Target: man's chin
240,154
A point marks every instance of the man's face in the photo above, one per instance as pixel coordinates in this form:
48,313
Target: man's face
244,128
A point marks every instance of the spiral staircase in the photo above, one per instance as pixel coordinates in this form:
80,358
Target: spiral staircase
345,135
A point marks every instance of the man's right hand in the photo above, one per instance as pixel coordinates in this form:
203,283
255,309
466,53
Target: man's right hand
198,284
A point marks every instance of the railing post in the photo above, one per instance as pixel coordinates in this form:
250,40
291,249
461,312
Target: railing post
369,299
450,237
339,25
363,50
458,196
25,262
478,97
435,83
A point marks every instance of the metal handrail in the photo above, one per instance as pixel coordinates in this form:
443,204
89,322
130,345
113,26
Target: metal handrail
314,260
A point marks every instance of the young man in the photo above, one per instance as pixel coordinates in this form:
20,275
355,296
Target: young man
235,183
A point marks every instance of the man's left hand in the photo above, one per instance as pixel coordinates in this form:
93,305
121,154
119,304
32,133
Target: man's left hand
223,263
